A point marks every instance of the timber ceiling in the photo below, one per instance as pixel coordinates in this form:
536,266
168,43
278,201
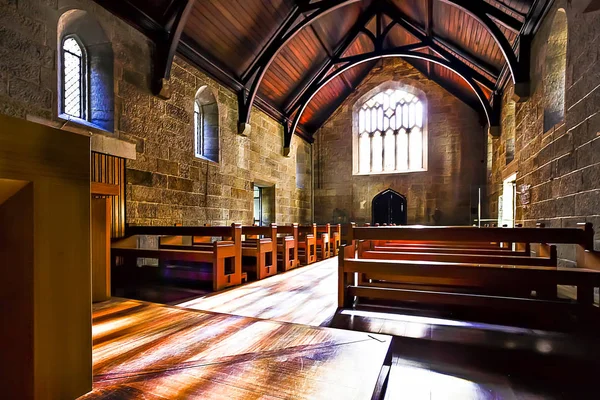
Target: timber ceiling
233,40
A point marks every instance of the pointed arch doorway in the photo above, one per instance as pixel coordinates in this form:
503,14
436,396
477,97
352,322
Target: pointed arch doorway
389,207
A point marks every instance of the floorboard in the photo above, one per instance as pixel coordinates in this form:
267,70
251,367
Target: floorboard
154,351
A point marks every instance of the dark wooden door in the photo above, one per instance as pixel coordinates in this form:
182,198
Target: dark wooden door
389,207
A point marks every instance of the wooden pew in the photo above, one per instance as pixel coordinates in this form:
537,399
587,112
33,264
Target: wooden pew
287,247
335,239
346,234
435,281
323,241
218,261
259,255
483,276
307,244
367,249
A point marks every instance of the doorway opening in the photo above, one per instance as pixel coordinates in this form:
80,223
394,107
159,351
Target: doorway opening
389,207
264,205
507,202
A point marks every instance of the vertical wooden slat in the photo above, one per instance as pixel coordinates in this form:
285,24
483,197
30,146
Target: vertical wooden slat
110,169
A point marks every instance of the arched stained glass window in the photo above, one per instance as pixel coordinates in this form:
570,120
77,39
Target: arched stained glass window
74,73
391,135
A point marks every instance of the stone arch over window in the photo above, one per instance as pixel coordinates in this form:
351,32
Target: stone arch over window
96,86
555,71
390,130
206,125
509,130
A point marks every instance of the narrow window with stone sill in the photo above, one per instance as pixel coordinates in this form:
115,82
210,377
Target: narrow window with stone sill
206,125
74,90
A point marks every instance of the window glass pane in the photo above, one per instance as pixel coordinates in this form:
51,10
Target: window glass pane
389,148
405,121
402,145
373,120
361,121
368,120
377,153
364,153
380,119
411,115
73,75
419,111
416,149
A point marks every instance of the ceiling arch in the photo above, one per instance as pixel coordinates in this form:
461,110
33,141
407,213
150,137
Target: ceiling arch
272,53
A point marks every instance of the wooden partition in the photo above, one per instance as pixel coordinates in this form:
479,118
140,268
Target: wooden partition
46,335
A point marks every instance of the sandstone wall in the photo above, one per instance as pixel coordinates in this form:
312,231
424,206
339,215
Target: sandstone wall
456,158
561,165
166,184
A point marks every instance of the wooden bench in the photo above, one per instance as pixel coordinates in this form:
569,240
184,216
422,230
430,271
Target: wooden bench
335,239
287,247
259,254
450,280
307,244
323,241
218,261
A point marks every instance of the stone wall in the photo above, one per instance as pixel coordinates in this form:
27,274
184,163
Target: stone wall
166,184
456,158
562,164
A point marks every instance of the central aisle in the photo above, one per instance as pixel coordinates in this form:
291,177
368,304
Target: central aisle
306,295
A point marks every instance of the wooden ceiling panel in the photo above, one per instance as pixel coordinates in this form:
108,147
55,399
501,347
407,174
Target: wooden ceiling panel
329,94
362,44
328,99
416,10
333,27
399,36
235,31
457,27
292,66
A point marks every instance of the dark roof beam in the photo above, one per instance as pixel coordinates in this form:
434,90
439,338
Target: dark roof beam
292,26
420,34
403,52
166,49
480,8
353,33
482,12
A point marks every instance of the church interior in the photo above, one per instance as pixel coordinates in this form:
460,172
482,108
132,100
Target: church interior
300,199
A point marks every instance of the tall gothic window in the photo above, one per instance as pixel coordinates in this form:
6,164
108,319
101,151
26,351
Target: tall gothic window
391,134
74,74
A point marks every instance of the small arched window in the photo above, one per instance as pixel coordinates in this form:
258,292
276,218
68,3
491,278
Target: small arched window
555,71
74,73
206,125
391,136
85,69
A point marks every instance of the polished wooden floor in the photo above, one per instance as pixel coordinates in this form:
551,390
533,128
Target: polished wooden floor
246,343
151,351
307,295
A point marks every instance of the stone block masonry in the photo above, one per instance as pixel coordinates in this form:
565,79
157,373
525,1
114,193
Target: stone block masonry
166,184
561,164
455,149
